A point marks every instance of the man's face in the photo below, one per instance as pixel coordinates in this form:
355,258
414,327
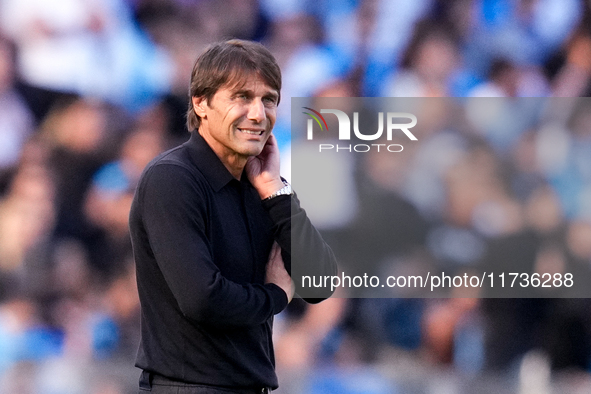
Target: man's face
238,120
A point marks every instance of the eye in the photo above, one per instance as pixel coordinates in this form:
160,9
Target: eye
270,100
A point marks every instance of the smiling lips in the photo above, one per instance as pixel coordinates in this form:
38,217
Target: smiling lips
252,131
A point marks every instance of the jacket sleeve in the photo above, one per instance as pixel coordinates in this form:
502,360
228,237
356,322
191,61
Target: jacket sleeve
306,252
174,213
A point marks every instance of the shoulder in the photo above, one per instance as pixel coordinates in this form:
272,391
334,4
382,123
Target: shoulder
177,156
172,173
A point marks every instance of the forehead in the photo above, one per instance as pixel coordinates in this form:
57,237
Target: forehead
240,81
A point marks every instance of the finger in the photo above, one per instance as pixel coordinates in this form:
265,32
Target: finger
275,249
271,143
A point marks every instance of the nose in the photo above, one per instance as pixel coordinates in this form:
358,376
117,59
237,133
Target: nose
256,111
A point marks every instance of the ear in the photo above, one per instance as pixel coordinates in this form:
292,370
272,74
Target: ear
199,104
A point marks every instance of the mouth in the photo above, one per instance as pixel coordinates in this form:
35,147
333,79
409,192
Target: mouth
251,131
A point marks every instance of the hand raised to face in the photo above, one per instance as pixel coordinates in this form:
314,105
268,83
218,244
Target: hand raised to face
263,170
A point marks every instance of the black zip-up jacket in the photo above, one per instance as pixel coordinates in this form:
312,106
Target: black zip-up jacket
201,241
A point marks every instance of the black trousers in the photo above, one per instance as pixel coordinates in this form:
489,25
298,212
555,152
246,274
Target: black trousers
156,384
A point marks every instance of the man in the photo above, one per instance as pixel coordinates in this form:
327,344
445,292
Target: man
211,225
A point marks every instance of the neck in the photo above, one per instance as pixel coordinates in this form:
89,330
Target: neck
233,161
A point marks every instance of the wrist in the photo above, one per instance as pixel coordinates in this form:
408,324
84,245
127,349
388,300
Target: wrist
267,189
284,191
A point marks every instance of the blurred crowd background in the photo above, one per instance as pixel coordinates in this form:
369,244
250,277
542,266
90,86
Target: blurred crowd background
92,90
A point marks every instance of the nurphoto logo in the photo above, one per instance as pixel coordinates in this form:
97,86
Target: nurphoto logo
393,125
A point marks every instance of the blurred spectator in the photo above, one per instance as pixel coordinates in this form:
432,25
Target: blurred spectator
370,35
523,31
27,218
108,198
92,48
81,140
23,336
16,121
570,174
429,63
295,40
502,81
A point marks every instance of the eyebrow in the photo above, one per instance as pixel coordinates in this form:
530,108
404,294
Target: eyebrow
271,93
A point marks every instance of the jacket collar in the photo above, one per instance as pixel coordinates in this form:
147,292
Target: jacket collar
216,174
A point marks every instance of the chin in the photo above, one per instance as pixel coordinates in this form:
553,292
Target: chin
253,151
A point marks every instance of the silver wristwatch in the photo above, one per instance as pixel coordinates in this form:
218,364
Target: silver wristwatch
284,191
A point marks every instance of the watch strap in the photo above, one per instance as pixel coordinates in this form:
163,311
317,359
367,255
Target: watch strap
284,191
